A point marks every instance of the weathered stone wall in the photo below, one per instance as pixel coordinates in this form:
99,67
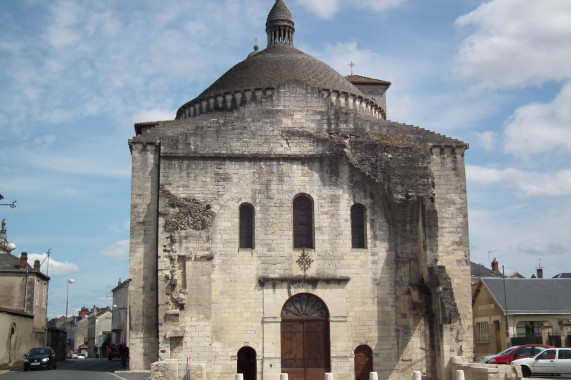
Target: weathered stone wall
228,302
143,255
214,298
16,331
453,255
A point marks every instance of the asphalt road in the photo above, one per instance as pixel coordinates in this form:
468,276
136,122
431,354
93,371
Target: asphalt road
84,369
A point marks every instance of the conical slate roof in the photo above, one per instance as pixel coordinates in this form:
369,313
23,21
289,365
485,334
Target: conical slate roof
279,13
276,65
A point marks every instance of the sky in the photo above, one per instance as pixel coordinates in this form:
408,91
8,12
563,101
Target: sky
75,75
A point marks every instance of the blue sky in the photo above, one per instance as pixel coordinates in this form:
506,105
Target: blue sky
77,74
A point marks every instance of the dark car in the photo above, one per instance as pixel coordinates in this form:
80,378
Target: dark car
40,357
525,351
114,351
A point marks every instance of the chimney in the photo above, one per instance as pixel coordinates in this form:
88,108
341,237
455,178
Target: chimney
83,312
495,266
119,281
24,260
540,272
37,265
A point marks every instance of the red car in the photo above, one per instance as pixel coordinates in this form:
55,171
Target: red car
114,351
524,351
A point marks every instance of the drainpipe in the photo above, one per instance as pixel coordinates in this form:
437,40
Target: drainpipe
26,291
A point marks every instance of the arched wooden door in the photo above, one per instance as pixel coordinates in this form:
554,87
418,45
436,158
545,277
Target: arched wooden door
363,362
305,344
247,363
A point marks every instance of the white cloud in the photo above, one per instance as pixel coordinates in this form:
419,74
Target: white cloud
541,127
62,34
53,267
516,43
326,9
524,184
45,139
153,115
545,249
118,251
378,5
322,8
488,140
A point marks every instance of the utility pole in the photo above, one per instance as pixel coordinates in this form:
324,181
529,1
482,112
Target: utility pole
506,303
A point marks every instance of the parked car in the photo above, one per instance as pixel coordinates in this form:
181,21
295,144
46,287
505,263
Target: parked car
80,356
485,359
114,351
40,357
555,361
523,351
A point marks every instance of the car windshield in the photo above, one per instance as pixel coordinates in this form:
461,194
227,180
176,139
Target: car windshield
38,351
506,351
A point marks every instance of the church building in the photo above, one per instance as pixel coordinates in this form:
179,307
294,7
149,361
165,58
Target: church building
280,224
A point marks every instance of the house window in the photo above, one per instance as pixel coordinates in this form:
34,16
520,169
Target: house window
528,329
302,222
358,226
483,329
246,226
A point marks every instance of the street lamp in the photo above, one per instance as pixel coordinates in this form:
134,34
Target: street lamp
70,281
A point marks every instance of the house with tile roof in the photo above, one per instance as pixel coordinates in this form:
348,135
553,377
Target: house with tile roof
23,304
537,310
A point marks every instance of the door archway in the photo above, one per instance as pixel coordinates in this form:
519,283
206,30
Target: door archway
363,362
305,344
247,363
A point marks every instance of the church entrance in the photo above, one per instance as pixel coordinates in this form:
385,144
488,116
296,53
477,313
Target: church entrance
305,344
363,362
247,363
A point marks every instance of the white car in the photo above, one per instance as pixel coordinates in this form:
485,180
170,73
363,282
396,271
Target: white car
551,361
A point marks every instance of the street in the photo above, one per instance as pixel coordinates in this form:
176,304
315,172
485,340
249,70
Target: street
84,369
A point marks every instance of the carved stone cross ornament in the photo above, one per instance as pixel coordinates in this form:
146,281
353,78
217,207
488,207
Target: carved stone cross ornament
304,262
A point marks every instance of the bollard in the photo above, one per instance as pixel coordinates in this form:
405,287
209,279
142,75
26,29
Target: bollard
416,375
328,376
283,376
239,376
373,376
459,374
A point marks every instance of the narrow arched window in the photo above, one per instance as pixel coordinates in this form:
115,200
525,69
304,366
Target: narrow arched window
246,226
302,222
358,226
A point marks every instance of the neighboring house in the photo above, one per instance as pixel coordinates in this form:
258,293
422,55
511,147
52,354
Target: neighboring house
281,224
23,304
99,325
479,271
538,311
120,323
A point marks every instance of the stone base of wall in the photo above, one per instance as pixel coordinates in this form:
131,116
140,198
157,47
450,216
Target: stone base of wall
173,369
479,371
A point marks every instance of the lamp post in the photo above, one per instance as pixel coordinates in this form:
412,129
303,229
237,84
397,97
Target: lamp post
70,281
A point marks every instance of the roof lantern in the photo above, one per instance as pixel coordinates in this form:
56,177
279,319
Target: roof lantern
279,25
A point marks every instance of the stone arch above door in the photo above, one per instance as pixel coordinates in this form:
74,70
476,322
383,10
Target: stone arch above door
305,342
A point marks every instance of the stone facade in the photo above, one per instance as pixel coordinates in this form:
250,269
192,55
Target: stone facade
23,304
195,292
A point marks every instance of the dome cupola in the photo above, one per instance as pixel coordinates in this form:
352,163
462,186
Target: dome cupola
279,25
280,63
